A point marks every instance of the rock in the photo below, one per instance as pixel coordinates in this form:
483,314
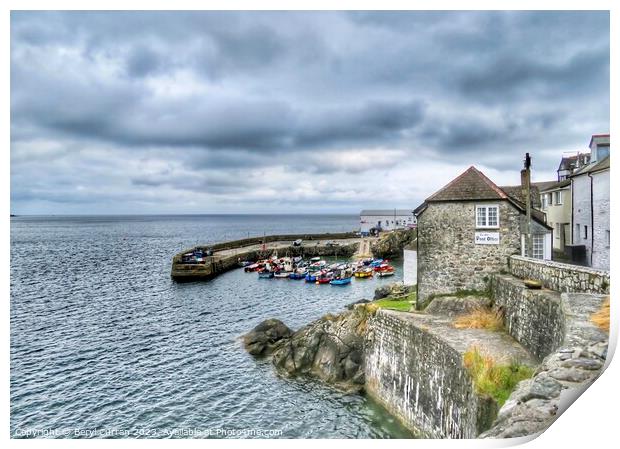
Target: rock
394,289
569,374
453,305
583,363
543,387
331,348
350,306
391,244
263,338
382,292
599,350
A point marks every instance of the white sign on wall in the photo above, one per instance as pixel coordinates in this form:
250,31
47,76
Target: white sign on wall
487,238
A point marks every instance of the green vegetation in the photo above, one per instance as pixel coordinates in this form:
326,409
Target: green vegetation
399,304
491,379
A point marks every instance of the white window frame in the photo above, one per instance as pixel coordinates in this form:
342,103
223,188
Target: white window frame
543,200
486,208
558,197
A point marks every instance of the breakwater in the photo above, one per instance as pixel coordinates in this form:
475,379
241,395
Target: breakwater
226,255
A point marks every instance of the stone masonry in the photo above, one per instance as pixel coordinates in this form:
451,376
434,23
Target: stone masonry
449,260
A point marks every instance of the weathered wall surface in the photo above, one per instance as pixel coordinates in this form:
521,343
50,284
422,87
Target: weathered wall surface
600,231
582,213
532,317
563,375
410,267
560,276
448,258
420,379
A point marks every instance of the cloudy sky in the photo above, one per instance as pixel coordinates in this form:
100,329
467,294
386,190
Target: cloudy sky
209,112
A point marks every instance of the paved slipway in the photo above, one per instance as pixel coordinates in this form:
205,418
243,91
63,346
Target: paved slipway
102,338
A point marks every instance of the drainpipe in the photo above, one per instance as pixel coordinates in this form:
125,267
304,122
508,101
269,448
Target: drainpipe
591,216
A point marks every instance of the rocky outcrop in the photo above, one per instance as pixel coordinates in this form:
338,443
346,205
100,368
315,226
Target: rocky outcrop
263,338
536,402
330,348
395,289
391,244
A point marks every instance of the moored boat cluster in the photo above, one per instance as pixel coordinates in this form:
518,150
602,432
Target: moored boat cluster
317,270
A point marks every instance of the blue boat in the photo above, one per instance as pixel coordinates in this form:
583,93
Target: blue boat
376,262
311,277
297,275
265,274
342,281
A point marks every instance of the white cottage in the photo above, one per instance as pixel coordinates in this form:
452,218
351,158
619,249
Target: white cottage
386,219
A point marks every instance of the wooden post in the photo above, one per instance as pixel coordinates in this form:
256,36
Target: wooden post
526,186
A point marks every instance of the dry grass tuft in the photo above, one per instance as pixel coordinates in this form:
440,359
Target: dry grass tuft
601,318
480,318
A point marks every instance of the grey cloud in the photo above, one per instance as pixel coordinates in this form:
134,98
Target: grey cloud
221,97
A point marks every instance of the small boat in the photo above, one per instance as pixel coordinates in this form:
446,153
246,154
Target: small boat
295,275
384,267
315,259
376,262
244,263
385,273
265,274
281,274
364,273
311,277
341,281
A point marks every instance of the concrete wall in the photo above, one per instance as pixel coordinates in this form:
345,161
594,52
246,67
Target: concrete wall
582,214
560,276
449,259
420,379
600,231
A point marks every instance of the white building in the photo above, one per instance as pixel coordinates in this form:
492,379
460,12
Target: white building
590,198
386,219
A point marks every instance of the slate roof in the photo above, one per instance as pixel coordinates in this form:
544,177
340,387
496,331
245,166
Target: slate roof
516,193
383,212
571,162
555,185
472,184
603,164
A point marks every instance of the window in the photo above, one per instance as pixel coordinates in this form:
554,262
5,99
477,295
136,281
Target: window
557,230
538,246
557,197
585,232
607,233
578,230
487,216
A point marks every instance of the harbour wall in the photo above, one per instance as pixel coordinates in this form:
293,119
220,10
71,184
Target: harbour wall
218,264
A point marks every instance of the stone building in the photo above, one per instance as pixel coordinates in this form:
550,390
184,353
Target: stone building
467,230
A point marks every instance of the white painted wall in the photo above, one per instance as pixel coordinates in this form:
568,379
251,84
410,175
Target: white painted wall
582,213
600,200
410,267
388,222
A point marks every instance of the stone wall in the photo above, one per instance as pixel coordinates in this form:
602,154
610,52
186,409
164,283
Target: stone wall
448,258
560,276
532,317
420,379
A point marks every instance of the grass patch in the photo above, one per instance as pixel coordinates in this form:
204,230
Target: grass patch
492,379
601,318
480,318
386,303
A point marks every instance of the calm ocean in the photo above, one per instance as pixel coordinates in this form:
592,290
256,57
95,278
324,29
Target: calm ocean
103,343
